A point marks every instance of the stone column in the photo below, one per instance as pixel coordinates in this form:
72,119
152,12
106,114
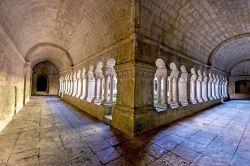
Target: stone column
226,88
170,90
100,95
217,87
193,87
86,87
106,86
198,87
83,85
159,90
111,89
71,85
95,90
164,88
204,87
182,87
213,87
209,87
175,92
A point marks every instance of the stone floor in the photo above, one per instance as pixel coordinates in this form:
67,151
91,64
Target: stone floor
50,132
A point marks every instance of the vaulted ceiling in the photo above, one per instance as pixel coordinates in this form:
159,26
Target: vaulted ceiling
213,32
80,27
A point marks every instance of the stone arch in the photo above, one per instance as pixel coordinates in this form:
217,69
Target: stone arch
49,52
223,43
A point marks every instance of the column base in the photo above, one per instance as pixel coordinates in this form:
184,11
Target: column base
200,101
184,103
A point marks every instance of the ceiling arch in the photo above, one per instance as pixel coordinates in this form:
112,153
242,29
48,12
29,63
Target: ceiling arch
81,27
194,28
241,68
49,52
231,52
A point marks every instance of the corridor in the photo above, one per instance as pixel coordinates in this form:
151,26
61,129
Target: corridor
48,131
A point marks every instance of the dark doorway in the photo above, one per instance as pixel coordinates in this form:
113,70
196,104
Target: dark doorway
242,86
42,83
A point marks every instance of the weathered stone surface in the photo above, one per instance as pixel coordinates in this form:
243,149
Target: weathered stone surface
93,146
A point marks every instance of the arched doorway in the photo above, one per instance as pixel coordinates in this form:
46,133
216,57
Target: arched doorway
42,83
242,86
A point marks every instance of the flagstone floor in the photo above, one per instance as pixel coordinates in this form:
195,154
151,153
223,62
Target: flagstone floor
48,131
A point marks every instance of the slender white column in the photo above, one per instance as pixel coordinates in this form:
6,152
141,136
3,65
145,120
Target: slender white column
164,88
159,90
174,75
198,86
100,96
217,87
112,89
86,87
83,85
95,90
204,87
193,86
175,91
170,96
209,88
106,87
182,87
213,87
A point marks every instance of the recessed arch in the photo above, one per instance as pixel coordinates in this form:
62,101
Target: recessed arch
49,52
230,47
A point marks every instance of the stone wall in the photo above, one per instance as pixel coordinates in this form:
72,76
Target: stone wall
232,92
48,70
12,71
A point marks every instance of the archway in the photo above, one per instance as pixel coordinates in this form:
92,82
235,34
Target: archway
42,83
242,87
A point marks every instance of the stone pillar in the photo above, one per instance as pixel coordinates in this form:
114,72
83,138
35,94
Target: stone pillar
100,96
204,87
159,90
71,84
86,87
182,87
106,86
226,88
74,85
164,88
217,87
134,104
193,86
83,85
95,90
213,87
198,87
209,87
112,89
170,90
174,75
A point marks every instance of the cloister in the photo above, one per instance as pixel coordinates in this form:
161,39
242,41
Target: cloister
125,82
